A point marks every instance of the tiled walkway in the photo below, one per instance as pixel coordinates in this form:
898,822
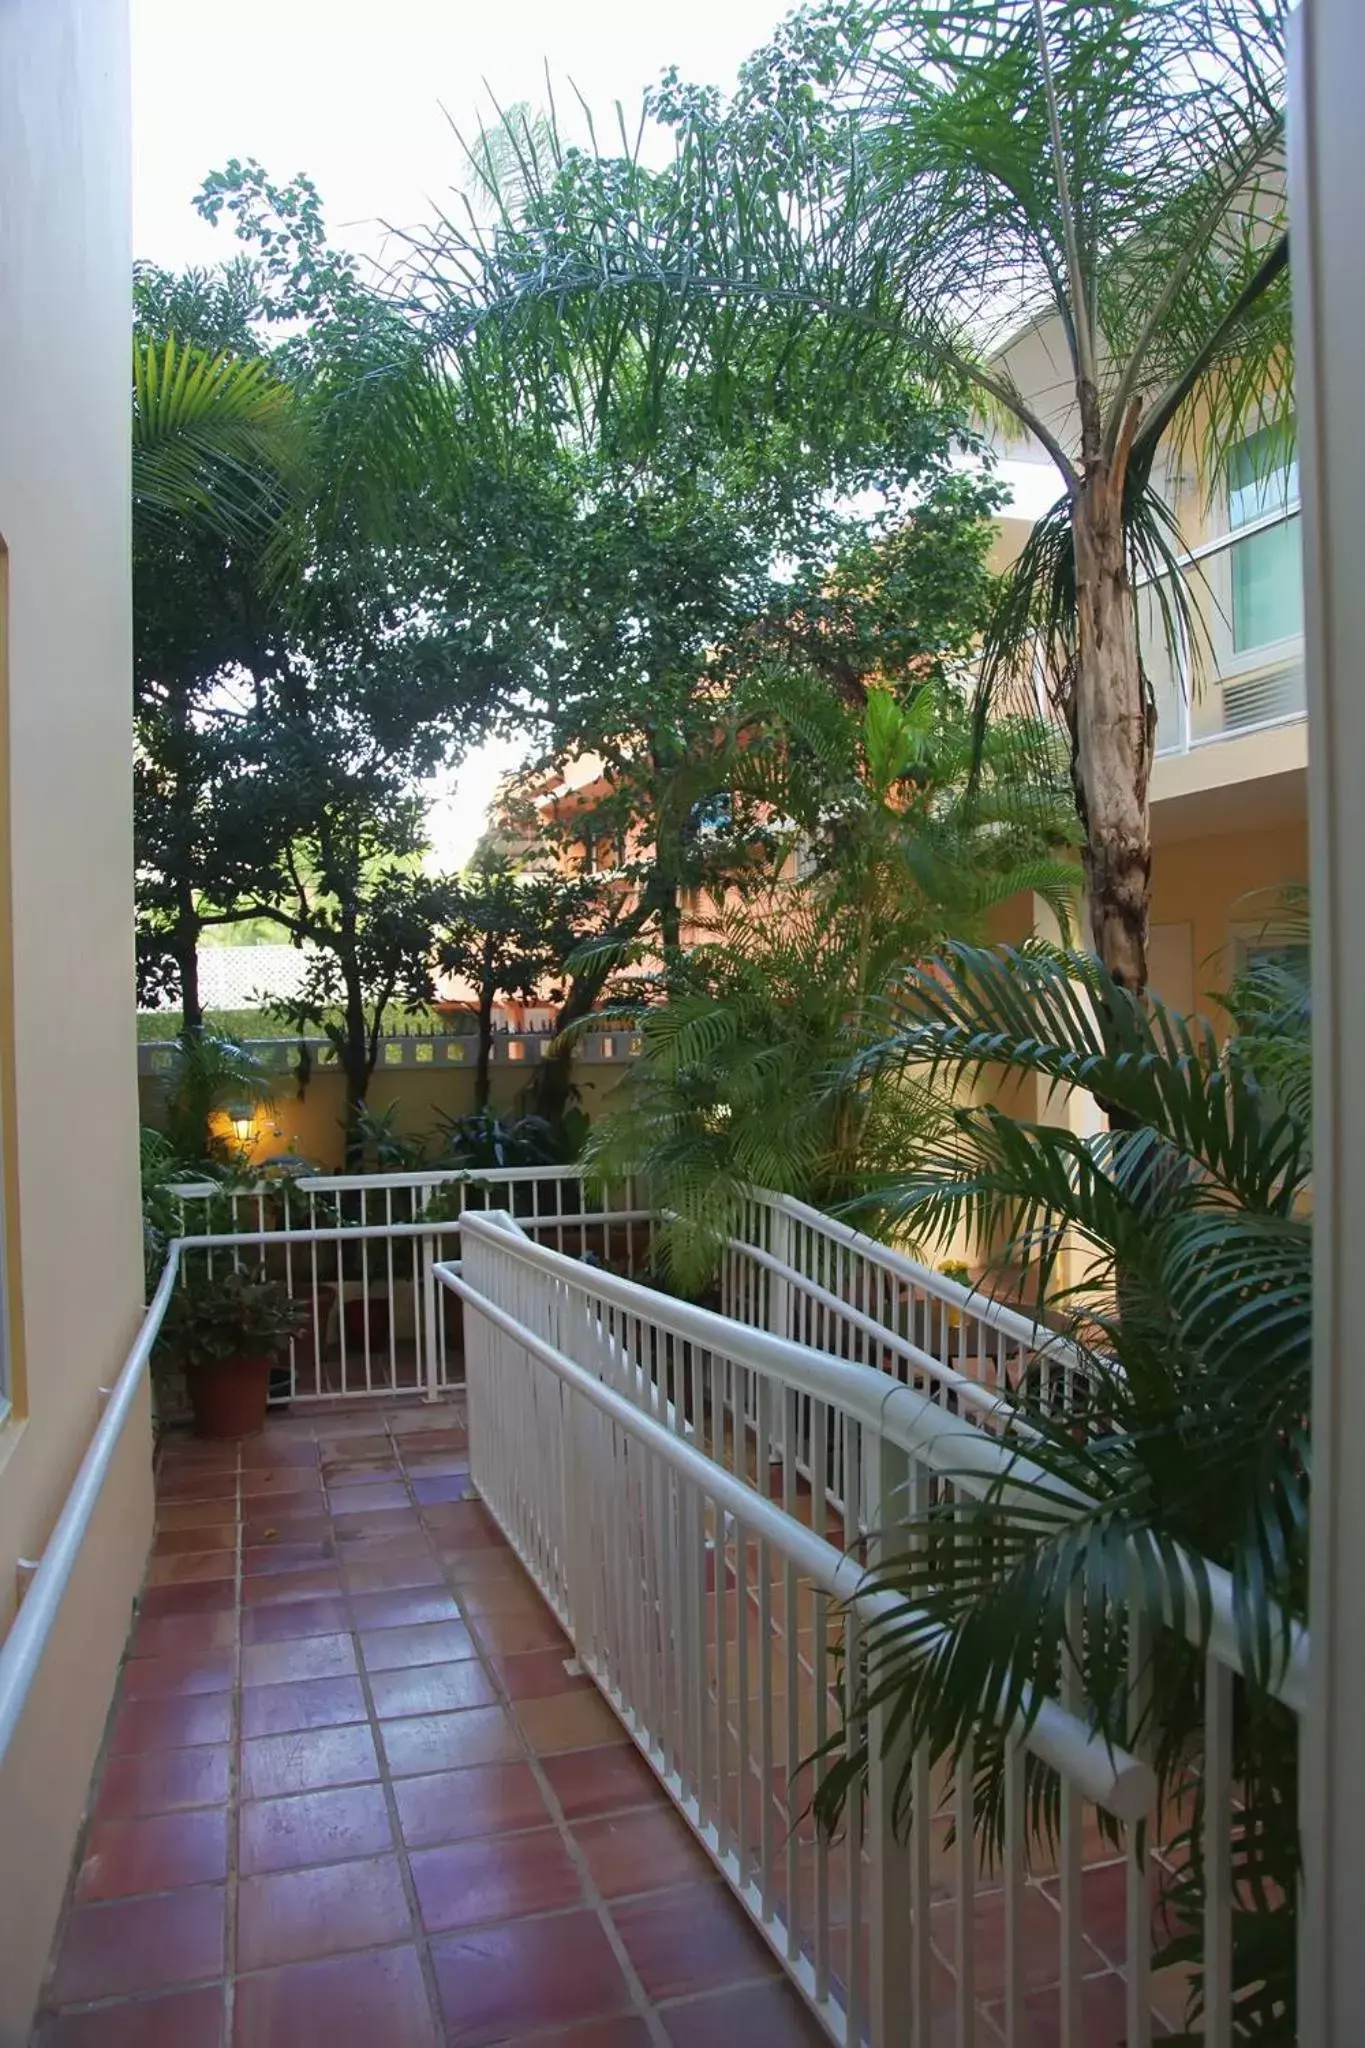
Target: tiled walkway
353,1798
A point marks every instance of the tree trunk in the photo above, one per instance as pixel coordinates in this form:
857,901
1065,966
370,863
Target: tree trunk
1113,735
554,1078
482,1076
185,947
355,1060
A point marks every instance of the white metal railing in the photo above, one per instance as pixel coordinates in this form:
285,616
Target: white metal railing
350,1250
357,1252
698,1499
798,1273
21,1653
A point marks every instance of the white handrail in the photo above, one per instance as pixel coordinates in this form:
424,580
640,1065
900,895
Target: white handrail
346,1183
958,1450
1106,1774
970,1392
22,1650
1010,1322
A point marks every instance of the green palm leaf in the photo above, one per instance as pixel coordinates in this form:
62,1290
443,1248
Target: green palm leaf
215,437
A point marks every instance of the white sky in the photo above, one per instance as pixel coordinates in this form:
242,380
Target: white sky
361,95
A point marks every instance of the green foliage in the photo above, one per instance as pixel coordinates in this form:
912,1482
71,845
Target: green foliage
751,1070
338,650
1181,1436
888,193
896,194
215,437
1270,1006
507,930
211,1073
483,1139
159,1169
385,1149
236,1312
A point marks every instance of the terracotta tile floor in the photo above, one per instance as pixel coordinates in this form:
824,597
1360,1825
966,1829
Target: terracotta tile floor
353,1798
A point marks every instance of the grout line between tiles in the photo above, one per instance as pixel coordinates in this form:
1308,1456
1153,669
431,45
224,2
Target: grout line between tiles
234,1807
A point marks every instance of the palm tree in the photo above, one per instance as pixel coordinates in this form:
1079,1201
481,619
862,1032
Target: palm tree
1185,1434
899,189
212,1072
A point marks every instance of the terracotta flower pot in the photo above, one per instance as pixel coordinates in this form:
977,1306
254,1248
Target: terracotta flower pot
229,1397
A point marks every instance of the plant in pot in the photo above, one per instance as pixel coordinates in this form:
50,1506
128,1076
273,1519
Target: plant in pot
226,1331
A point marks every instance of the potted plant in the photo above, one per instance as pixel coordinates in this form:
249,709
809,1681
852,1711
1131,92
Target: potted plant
226,1331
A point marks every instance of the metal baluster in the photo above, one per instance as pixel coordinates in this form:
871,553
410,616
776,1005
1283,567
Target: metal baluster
964,1823
1071,1858
1218,1887
1016,1866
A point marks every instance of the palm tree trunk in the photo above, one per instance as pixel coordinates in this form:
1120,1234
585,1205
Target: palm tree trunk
1113,734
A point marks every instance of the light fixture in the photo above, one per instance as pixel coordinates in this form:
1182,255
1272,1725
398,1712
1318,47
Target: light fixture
243,1120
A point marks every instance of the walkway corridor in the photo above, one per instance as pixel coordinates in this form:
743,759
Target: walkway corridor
354,1796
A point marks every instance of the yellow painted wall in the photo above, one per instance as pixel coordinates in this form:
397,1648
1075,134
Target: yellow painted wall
66,1022
311,1128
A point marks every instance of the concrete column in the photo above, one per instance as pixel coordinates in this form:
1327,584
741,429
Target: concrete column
1328,181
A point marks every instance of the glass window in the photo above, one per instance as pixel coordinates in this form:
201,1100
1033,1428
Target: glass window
1267,567
1263,475
1267,587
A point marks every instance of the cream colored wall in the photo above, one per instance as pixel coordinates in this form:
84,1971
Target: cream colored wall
68,1034
1209,885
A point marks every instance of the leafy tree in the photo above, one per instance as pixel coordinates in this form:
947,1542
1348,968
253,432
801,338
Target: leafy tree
1184,1438
348,886
899,188
506,931
356,574
677,581
754,1043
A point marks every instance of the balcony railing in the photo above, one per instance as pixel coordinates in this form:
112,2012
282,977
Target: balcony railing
1241,667
357,1252
698,1500
699,1497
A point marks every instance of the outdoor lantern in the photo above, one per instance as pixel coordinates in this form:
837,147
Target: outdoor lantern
243,1120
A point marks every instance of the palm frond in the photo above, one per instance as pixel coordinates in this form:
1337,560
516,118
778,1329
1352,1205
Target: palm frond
216,437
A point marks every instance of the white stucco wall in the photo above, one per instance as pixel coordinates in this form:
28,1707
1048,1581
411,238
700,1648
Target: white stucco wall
67,1070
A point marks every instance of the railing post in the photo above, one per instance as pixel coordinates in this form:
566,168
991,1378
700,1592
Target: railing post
779,1288
891,1972
779,1317
431,1357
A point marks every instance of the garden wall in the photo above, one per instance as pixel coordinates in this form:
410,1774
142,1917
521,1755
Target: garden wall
309,1126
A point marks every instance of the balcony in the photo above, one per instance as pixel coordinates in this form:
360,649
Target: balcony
474,1701
356,1786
